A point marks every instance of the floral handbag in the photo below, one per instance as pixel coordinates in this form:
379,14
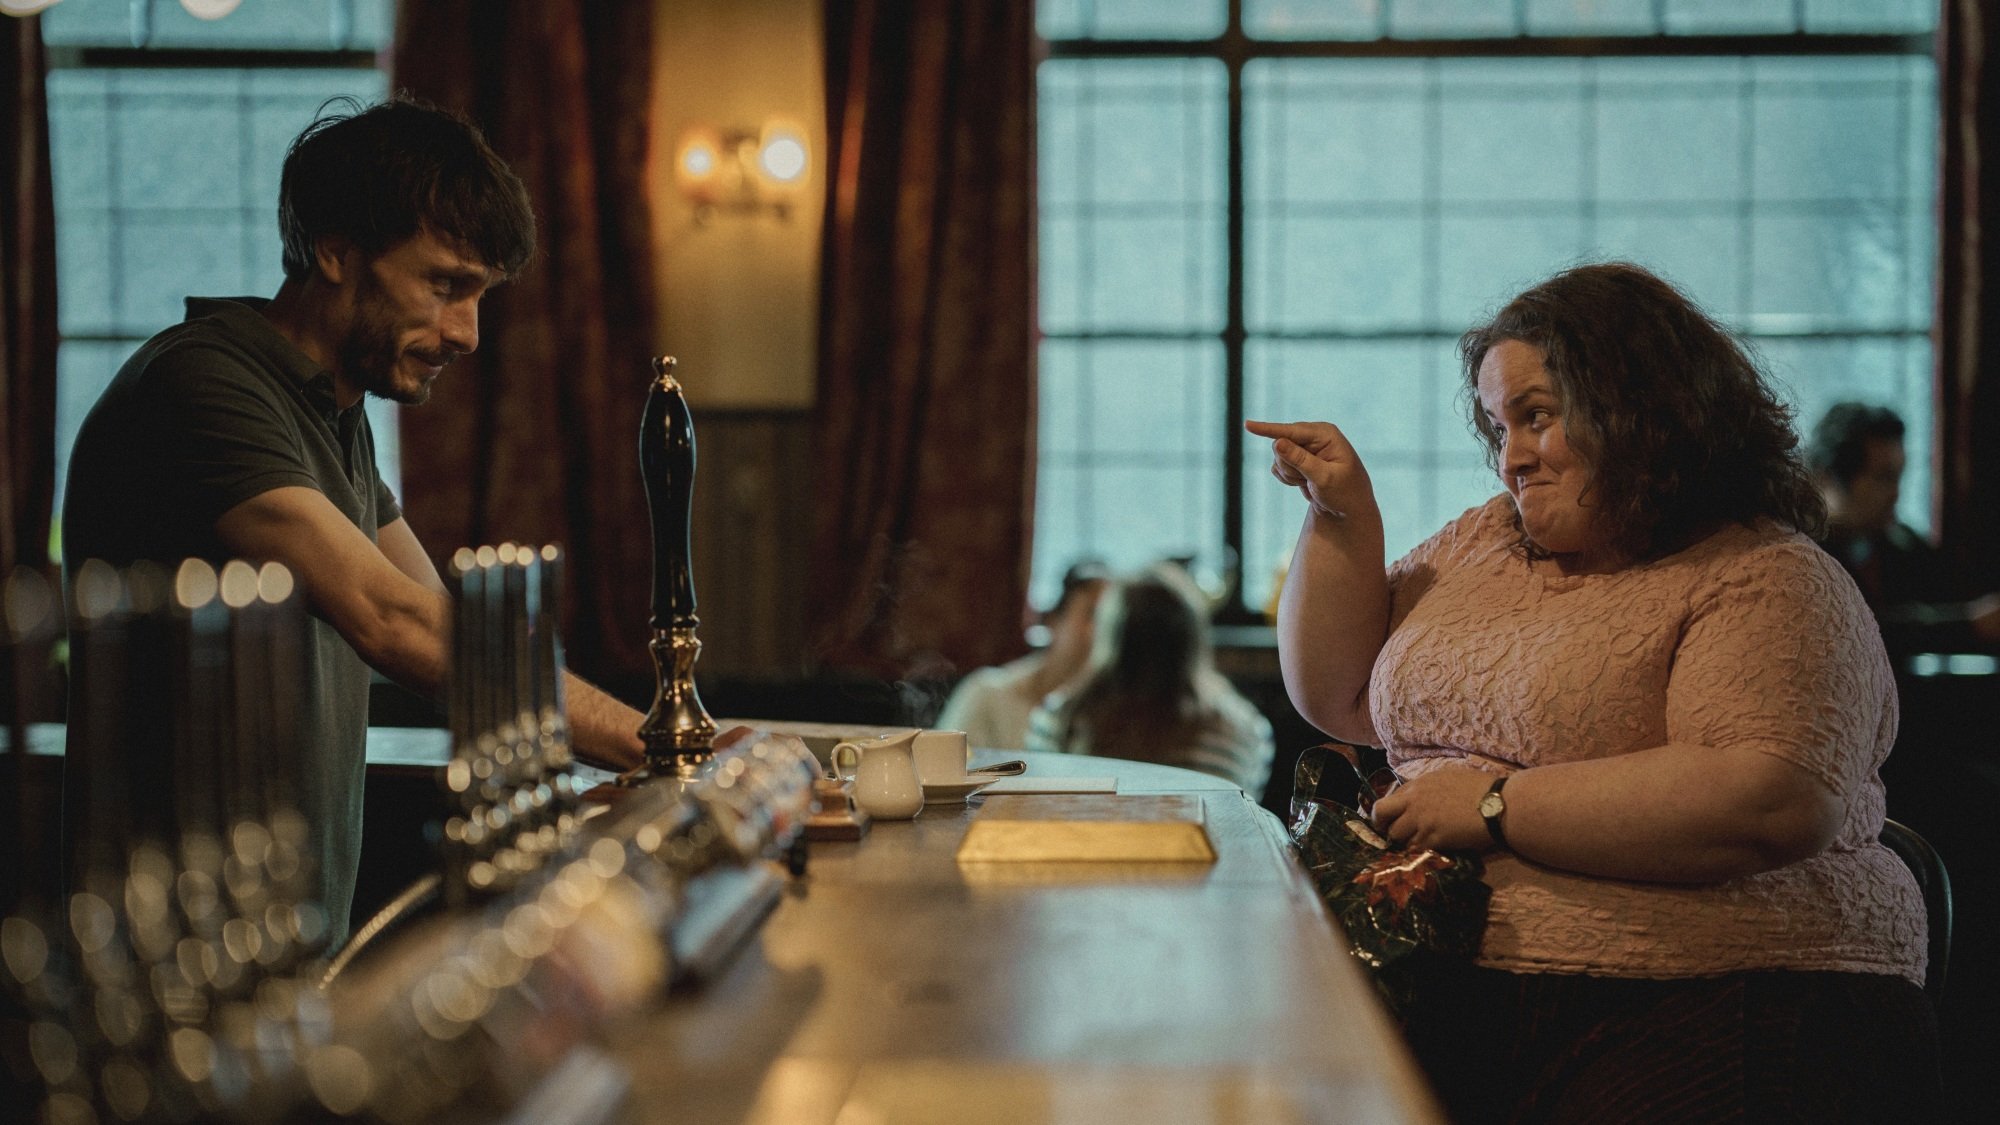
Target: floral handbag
1397,906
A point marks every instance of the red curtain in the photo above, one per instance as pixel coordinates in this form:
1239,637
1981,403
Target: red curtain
1968,321
926,421
534,438
27,303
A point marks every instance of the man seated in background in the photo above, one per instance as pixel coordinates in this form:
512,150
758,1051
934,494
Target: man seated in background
1921,601
992,705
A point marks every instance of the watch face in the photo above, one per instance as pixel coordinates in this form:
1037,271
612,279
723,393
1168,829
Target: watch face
1492,805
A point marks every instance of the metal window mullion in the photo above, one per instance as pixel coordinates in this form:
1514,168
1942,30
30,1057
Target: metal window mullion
1746,266
245,242
1234,334
1904,99
114,206
1432,205
1086,360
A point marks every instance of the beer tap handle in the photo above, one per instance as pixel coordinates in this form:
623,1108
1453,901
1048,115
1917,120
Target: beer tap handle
677,731
667,459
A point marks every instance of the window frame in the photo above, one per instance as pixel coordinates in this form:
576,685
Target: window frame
1235,49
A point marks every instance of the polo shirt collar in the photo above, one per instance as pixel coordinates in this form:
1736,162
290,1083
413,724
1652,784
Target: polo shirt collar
245,317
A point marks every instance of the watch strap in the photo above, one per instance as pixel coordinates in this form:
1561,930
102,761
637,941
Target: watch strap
1492,818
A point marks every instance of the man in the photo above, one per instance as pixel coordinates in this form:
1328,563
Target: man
1857,458
239,433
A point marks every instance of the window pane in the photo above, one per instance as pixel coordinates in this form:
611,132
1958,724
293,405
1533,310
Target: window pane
1832,128
86,286
1323,131
1315,19
1825,270
1593,17
323,25
1133,182
1512,131
1362,270
1131,19
1451,19
1131,437
1730,17
1338,163
1853,16
1670,130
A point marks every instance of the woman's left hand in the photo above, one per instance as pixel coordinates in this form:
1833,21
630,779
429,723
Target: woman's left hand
1439,809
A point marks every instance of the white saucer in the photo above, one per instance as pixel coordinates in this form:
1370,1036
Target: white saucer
945,791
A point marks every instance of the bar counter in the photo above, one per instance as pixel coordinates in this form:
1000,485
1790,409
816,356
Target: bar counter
893,985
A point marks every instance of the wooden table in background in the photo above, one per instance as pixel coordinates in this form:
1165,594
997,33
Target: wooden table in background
892,986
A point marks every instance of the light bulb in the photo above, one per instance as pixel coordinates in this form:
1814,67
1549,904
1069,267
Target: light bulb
783,157
698,161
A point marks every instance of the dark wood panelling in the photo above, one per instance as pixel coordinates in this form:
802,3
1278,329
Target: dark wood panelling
753,495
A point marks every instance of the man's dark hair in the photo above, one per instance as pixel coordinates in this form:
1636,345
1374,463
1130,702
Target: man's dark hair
1680,430
1839,445
1080,577
379,175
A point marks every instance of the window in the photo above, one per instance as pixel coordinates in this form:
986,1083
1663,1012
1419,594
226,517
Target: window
166,136
1289,209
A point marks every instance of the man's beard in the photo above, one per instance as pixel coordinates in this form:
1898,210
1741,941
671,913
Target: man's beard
370,355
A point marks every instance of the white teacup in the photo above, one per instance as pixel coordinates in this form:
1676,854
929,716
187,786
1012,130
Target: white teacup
942,756
886,785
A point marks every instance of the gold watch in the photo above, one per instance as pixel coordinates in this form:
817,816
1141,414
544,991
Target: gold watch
1492,807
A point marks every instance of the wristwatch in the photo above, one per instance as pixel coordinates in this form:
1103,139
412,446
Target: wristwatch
1492,807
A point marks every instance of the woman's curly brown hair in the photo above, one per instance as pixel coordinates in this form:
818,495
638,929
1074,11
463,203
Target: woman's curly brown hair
1680,429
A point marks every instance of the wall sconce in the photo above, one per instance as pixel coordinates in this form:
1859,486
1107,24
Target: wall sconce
740,171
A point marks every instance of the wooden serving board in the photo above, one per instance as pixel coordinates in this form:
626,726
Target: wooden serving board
1153,828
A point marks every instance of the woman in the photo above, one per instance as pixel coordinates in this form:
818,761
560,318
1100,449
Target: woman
1635,682
1150,692
992,705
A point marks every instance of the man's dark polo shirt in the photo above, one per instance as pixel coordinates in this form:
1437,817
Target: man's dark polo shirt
209,413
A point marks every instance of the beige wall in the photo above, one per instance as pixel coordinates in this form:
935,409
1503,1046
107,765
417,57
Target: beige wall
739,304
739,292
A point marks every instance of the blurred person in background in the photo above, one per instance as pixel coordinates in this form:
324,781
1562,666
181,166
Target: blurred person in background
1151,692
991,705
1922,602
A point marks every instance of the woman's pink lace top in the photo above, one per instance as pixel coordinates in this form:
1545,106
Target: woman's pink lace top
1752,639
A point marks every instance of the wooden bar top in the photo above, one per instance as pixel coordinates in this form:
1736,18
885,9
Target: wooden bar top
893,985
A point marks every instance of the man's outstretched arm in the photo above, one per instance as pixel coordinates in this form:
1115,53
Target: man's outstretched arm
388,602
